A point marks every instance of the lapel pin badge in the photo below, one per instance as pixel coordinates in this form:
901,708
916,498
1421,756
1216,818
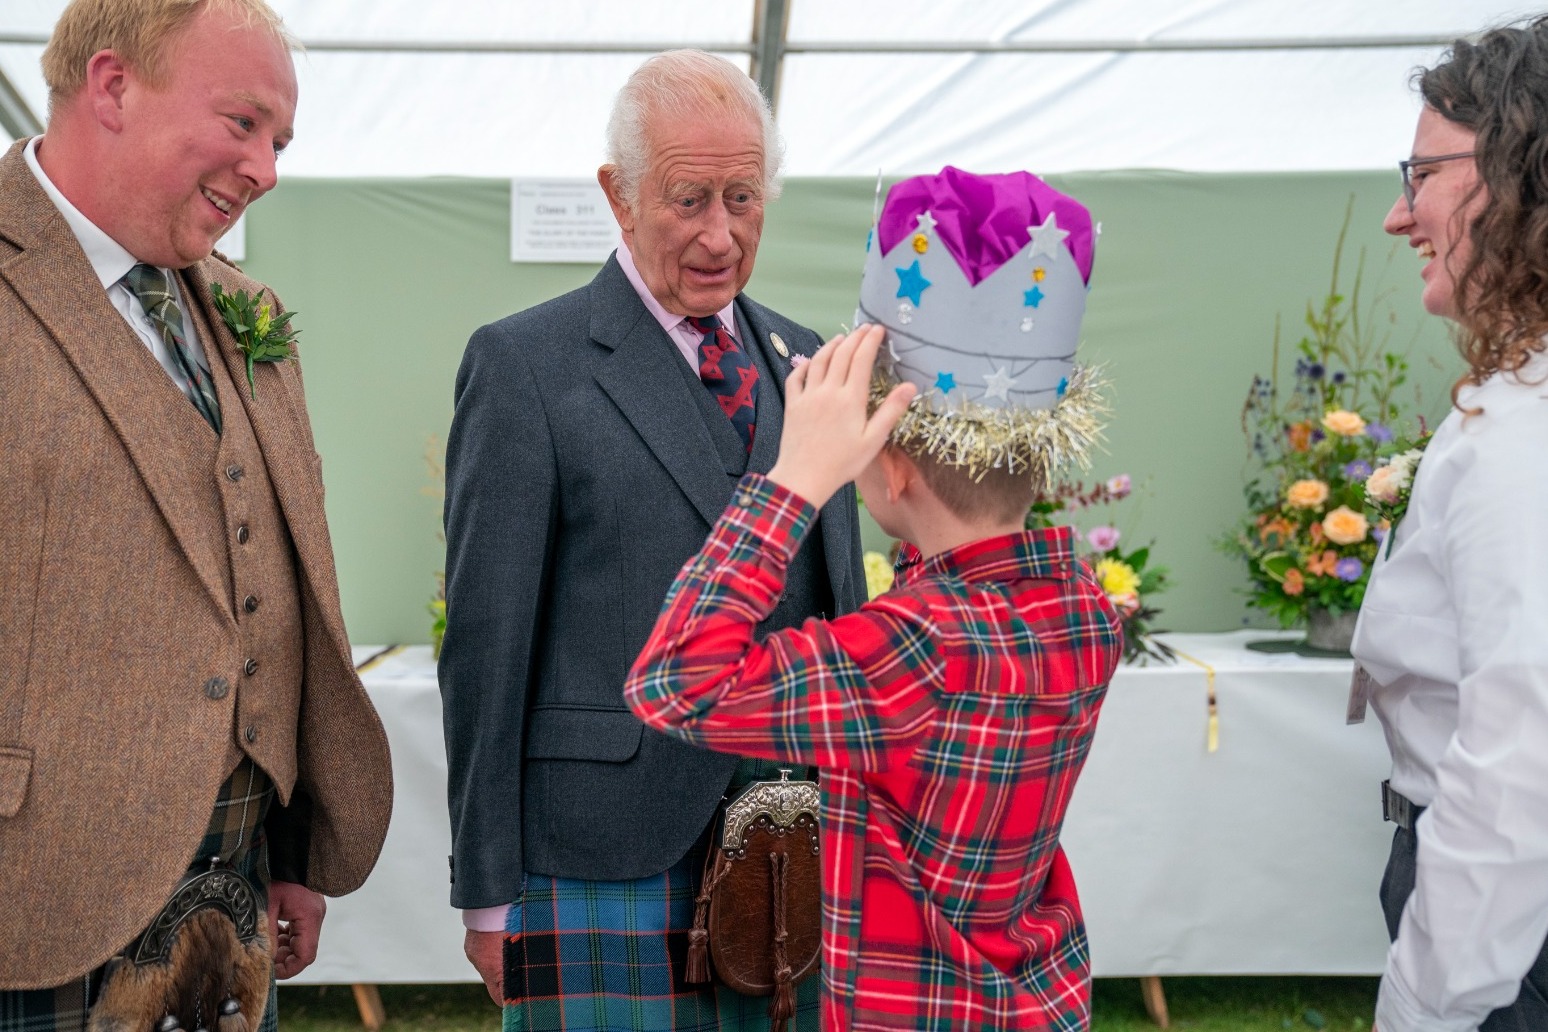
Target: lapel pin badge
779,345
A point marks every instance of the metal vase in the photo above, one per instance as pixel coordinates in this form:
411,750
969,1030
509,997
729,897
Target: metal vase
1330,631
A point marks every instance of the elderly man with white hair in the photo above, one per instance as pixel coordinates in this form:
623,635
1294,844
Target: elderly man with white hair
596,439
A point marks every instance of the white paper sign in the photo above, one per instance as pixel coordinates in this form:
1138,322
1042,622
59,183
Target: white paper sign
561,220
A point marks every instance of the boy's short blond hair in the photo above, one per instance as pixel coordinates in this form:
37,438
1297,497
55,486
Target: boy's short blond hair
138,31
993,494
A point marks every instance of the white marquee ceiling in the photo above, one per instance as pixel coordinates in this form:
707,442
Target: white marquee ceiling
1203,85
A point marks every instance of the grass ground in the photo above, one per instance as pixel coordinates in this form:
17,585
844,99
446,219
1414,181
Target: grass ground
1196,1004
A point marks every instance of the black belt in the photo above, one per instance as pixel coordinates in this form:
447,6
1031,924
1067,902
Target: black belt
1398,808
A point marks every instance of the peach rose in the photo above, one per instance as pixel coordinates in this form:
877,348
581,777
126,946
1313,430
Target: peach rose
1382,486
1343,423
1307,494
1344,526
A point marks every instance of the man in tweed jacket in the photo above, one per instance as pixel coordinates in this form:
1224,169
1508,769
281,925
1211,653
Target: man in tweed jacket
175,679
589,454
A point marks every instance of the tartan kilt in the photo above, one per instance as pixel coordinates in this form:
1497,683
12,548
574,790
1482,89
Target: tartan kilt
592,956
235,830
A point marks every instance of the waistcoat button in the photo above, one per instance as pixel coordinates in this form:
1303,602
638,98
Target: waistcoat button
250,603
242,534
234,472
250,667
251,734
217,687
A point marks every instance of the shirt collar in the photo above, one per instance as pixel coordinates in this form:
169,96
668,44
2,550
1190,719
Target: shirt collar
1045,553
668,320
108,258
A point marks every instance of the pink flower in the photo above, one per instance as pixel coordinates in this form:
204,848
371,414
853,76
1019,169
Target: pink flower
1120,486
797,361
1103,539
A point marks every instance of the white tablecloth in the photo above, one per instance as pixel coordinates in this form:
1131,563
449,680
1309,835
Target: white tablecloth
1261,857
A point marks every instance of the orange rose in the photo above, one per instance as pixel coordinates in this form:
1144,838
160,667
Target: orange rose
1307,494
1344,526
1294,582
1344,423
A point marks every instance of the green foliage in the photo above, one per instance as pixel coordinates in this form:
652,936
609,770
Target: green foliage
262,332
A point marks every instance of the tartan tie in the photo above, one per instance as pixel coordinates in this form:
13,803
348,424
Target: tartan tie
730,375
149,284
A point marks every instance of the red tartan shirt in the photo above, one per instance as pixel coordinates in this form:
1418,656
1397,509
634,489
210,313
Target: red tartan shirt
950,717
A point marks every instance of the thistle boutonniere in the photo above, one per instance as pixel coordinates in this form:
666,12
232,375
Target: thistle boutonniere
1391,485
262,331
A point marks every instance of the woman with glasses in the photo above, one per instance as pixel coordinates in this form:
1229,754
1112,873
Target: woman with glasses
1452,646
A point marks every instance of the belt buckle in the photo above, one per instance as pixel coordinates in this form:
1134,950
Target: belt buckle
1395,807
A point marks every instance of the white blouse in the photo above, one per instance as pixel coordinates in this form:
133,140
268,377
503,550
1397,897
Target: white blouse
1454,632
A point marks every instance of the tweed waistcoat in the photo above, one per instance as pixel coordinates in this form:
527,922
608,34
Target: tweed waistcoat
259,578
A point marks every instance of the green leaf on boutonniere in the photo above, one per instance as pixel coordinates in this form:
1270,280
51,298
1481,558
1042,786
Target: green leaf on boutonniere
262,331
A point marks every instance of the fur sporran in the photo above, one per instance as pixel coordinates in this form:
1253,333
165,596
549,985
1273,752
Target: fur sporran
204,963
758,915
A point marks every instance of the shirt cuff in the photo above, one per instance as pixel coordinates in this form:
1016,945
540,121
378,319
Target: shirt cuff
486,919
776,516
1399,1010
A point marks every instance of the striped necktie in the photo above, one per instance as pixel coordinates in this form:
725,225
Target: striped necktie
730,375
149,284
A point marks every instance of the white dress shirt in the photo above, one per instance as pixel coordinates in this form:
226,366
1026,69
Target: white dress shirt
111,263
1454,632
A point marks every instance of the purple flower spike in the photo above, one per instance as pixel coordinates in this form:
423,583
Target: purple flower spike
1348,569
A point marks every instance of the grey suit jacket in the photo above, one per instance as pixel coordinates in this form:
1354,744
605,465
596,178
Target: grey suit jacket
581,475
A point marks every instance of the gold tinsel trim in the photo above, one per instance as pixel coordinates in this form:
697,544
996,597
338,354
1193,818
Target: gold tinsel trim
1039,442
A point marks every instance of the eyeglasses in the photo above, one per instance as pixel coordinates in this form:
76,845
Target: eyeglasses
1405,166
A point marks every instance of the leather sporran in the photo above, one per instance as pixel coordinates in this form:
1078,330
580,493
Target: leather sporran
203,963
758,917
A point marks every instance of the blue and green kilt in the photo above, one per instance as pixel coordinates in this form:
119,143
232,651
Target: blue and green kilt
588,956
235,831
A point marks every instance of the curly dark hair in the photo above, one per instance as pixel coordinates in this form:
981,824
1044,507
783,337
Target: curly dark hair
1497,86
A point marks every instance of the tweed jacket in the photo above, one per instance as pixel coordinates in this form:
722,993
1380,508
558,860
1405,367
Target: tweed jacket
581,472
114,622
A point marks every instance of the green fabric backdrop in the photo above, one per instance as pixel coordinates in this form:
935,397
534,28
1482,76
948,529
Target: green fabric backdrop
391,276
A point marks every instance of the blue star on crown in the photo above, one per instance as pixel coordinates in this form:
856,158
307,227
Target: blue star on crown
911,282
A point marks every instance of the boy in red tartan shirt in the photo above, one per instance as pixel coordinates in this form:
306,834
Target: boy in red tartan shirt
950,715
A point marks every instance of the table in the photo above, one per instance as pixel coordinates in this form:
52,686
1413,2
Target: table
1262,857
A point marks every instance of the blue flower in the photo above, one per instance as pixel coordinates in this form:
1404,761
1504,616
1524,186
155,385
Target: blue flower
1359,469
1379,533
1340,376
1378,433
1349,569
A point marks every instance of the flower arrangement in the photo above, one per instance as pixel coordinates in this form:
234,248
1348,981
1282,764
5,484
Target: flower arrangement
1308,538
263,332
1126,575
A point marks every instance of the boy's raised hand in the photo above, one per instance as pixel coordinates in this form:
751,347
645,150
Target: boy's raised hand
827,440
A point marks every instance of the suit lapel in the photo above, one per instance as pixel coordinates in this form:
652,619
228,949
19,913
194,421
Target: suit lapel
837,518
55,281
651,394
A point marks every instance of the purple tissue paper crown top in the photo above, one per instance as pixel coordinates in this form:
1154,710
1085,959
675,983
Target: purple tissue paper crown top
983,220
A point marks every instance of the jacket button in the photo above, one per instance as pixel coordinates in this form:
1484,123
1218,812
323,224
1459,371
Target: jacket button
250,603
251,734
217,687
250,667
234,472
242,534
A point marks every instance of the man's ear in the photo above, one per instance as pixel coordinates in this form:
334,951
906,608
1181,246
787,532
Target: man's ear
108,79
611,180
